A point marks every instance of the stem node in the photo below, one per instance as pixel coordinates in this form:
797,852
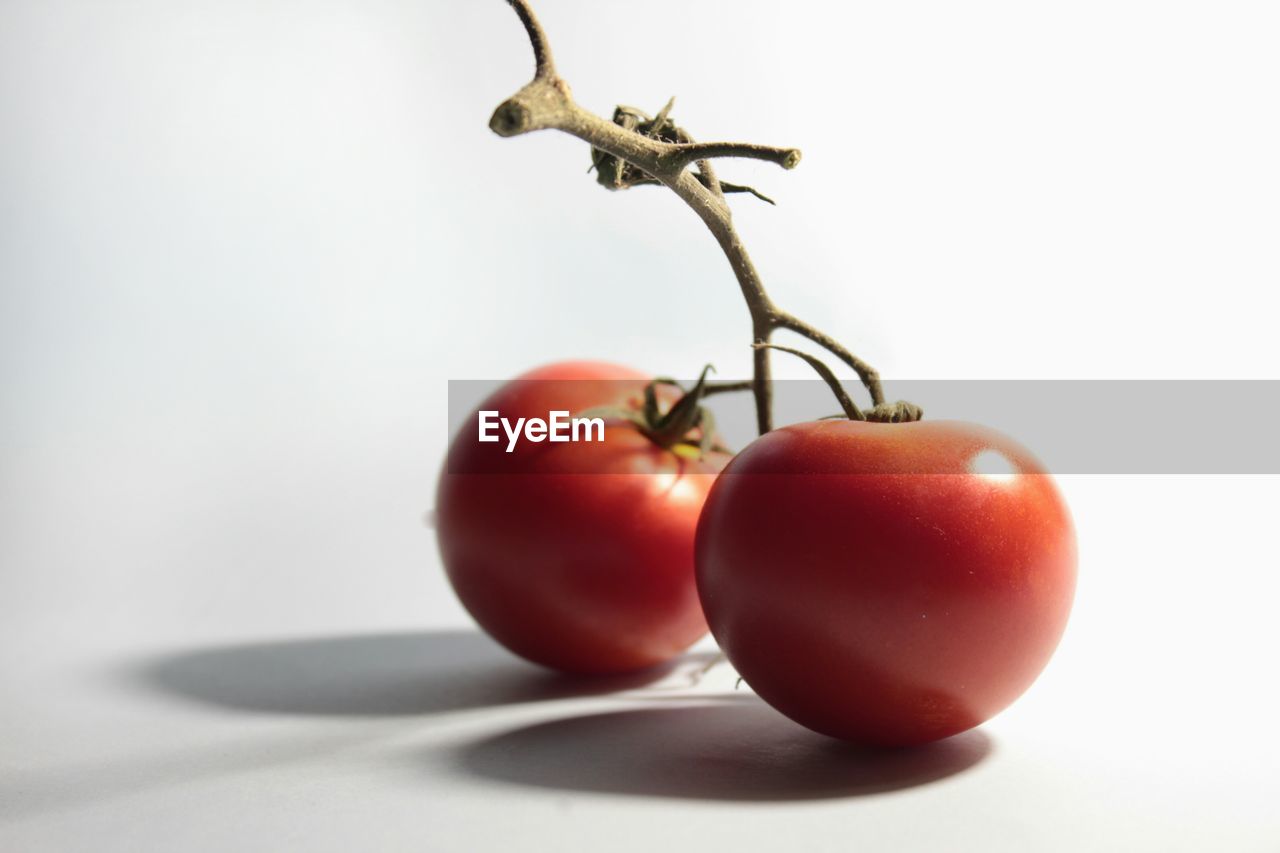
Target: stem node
511,118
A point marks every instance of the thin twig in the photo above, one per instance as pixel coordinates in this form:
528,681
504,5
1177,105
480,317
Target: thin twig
868,374
683,154
851,410
545,66
726,387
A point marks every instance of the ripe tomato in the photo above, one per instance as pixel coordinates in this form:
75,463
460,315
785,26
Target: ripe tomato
867,583
577,556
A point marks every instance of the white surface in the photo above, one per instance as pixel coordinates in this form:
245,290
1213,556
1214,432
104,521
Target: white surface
1150,730
244,245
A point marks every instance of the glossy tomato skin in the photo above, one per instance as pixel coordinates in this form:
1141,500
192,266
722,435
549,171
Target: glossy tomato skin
577,556
869,585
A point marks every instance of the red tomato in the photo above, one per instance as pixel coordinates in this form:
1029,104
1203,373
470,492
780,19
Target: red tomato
577,556
867,583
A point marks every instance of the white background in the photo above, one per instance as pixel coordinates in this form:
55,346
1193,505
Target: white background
243,246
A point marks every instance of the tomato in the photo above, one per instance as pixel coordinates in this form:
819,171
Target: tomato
869,583
577,556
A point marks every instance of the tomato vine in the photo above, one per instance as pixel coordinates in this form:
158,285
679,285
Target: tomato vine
655,153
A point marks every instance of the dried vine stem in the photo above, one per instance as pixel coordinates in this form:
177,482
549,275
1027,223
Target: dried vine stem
546,103
851,410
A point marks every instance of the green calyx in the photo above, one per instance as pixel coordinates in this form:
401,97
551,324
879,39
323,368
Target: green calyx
687,428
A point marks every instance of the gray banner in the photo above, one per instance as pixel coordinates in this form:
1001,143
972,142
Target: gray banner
1073,426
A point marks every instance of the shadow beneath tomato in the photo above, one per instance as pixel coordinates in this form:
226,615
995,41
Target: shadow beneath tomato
371,675
738,750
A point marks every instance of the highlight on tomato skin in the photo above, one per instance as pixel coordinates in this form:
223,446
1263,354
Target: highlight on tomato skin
888,584
576,556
